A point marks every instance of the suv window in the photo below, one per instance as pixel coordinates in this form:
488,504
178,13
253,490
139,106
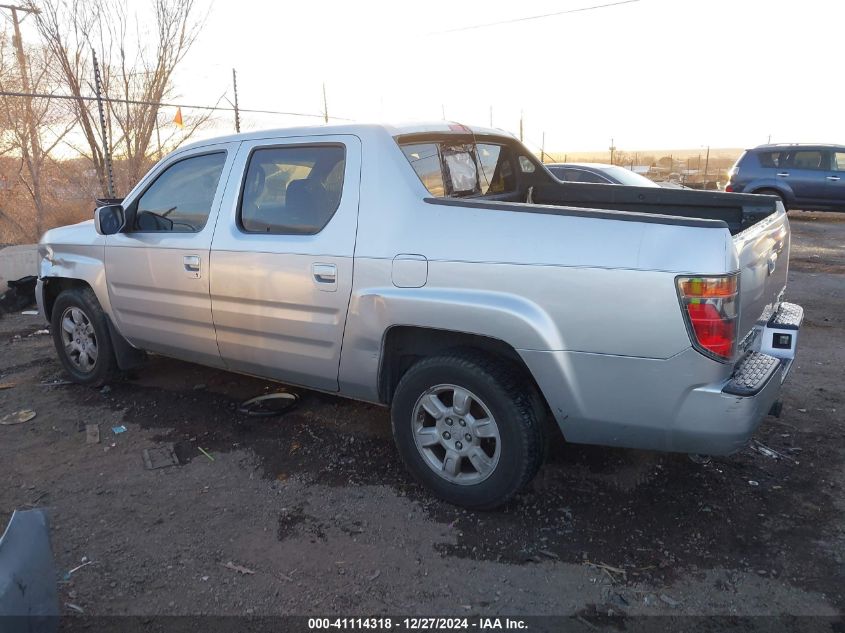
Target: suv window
292,190
839,161
462,169
180,198
810,159
771,159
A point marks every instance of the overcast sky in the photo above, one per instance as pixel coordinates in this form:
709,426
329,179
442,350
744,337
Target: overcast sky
650,73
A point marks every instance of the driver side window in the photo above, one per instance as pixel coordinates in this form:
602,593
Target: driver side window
180,198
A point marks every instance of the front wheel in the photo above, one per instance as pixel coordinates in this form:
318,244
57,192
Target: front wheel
81,336
469,427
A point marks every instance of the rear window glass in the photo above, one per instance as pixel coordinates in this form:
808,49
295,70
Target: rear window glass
425,159
496,170
462,169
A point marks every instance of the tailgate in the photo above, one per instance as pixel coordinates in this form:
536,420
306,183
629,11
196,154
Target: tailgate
763,254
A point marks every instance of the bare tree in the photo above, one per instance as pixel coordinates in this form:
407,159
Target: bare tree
138,62
32,127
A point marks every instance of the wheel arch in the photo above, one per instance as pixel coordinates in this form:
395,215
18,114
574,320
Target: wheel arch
127,356
52,287
61,267
782,188
403,345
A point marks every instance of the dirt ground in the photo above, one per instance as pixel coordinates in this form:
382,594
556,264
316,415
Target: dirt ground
318,506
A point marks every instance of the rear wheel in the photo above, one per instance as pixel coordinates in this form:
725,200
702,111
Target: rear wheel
469,427
81,336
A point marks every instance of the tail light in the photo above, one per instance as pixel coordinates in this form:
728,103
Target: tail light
729,187
710,306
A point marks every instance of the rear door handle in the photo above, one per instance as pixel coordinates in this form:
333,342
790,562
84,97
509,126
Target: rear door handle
833,177
783,174
193,266
325,276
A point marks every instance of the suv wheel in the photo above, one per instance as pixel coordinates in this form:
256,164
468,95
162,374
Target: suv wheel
81,336
469,427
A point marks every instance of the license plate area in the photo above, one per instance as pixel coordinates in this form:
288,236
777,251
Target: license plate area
779,335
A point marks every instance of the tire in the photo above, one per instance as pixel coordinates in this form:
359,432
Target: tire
440,444
775,193
78,323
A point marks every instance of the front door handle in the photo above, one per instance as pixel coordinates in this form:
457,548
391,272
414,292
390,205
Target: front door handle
833,177
192,265
783,174
325,276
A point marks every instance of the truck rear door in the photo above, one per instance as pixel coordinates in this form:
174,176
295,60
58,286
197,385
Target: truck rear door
281,257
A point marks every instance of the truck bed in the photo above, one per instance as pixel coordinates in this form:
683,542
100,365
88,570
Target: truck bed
738,211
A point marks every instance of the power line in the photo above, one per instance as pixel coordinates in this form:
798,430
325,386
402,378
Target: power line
7,93
536,17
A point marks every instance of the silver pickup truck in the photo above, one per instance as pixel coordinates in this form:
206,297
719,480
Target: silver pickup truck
442,271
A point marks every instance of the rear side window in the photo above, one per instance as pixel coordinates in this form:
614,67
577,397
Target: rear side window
810,159
425,159
839,161
180,198
292,190
771,159
496,170
462,169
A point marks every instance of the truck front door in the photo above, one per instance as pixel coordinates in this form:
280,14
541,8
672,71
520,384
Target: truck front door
281,258
157,269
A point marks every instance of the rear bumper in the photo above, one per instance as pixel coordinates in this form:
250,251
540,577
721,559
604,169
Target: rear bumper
720,419
687,403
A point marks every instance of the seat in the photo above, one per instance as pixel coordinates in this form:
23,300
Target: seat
306,204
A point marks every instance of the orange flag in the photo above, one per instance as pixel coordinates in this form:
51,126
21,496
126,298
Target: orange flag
178,118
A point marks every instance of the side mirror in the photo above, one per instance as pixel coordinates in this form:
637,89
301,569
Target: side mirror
109,219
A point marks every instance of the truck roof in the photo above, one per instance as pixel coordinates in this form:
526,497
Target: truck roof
395,130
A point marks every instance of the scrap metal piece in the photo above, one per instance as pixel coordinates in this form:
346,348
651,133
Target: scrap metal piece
269,404
29,600
160,457
18,417
92,433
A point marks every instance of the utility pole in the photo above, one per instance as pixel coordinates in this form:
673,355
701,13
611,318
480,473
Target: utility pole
443,111
520,126
237,112
31,149
106,151
707,162
612,149
491,116
543,149
325,105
